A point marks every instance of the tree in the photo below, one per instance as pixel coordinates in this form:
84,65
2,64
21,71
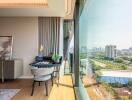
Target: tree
97,76
118,60
131,59
125,58
129,84
123,67
83,55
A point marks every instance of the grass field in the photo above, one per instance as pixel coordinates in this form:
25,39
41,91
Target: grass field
99,63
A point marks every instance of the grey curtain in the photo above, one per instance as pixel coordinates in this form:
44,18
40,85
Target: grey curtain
68,34
49,33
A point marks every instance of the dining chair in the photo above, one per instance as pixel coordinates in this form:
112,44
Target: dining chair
42,75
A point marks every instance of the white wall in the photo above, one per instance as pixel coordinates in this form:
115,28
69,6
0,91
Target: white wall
25,38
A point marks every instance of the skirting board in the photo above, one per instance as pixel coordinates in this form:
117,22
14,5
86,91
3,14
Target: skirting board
26,77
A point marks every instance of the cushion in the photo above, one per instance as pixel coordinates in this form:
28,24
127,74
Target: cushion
38,59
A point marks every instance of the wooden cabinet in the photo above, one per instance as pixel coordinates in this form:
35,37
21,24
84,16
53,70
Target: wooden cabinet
12,69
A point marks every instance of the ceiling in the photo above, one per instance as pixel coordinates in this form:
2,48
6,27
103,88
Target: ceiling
52,8
23,3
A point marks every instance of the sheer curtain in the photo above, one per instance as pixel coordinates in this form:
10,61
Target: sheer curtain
49,33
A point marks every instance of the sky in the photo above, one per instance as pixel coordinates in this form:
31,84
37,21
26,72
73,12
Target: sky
105,22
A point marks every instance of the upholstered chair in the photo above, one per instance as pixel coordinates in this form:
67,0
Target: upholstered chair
42,75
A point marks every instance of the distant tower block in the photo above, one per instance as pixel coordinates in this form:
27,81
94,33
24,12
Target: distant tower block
110,51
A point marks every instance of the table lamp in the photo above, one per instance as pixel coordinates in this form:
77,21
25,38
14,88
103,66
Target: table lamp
41,51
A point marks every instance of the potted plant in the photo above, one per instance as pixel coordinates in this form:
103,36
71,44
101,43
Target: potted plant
55,58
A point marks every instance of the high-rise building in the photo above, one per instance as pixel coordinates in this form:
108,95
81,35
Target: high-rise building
97,49
130,48
110,51
84,49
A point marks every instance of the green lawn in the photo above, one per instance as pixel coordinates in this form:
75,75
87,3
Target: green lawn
107,64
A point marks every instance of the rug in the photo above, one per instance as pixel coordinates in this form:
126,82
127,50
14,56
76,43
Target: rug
7,94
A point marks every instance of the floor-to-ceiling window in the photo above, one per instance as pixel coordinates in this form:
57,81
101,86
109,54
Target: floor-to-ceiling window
106,49
79,70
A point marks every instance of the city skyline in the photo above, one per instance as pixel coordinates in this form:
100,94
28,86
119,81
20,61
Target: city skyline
107,22
103,48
